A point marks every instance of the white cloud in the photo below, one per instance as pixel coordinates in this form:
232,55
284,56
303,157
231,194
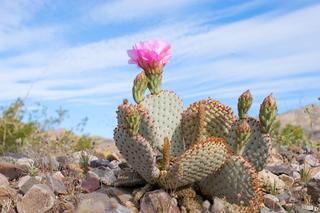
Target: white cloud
265,48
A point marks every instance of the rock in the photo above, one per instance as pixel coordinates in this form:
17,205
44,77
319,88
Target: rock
289,181
206,206
74,169
90,184
58,175
11,171
279,169
272,202
313,189
311,160
56,185
63,161
296,175
98,163
268,179
100,203
38,199
114,165
218,206
6,194
158,201
3,180
265,210
285,197
26,182
106,175
122,194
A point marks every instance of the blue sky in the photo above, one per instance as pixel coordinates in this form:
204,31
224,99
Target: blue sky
73,53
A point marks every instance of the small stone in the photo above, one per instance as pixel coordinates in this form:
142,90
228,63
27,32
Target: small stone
56,185
58,175
38,199
11,171
218,206
3,180
268,180
90,184
285,197
98,163
311,160
289,181
272,202
296,175
122,194
206,206
279,169
313,189
157,201
26,182
106,175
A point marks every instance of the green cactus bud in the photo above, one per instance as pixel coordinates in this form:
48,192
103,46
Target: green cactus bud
139,87
243,134
244,104
132,120
268,112
154,80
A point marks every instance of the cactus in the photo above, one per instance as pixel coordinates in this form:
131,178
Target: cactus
205,145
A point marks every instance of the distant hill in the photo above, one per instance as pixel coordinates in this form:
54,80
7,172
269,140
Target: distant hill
310,122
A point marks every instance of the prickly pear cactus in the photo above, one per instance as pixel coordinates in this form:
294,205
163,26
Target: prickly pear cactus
205,145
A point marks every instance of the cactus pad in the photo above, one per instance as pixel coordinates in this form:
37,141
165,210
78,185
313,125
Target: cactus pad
217,122
257,150
166,109
237,181
147,128
138,153
196,163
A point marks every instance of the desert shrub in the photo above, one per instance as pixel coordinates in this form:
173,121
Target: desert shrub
13,131
289,135
83,143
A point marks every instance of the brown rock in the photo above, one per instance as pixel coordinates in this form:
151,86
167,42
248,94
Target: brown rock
11,171
90,184
313,189
268,179
3,180
289,181
272,202
26,182
38,199
158,201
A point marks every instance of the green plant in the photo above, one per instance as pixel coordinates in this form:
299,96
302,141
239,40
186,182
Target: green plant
13,131
305,174
290,135
84,162
83,143
33,170
204,145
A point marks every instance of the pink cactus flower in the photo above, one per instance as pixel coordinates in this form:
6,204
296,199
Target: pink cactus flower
150,55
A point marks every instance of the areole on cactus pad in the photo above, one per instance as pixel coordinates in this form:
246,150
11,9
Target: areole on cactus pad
205,145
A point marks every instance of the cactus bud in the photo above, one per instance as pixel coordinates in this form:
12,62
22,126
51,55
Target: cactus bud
132,120
244,103
243,133
139,87
268,112
154,81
